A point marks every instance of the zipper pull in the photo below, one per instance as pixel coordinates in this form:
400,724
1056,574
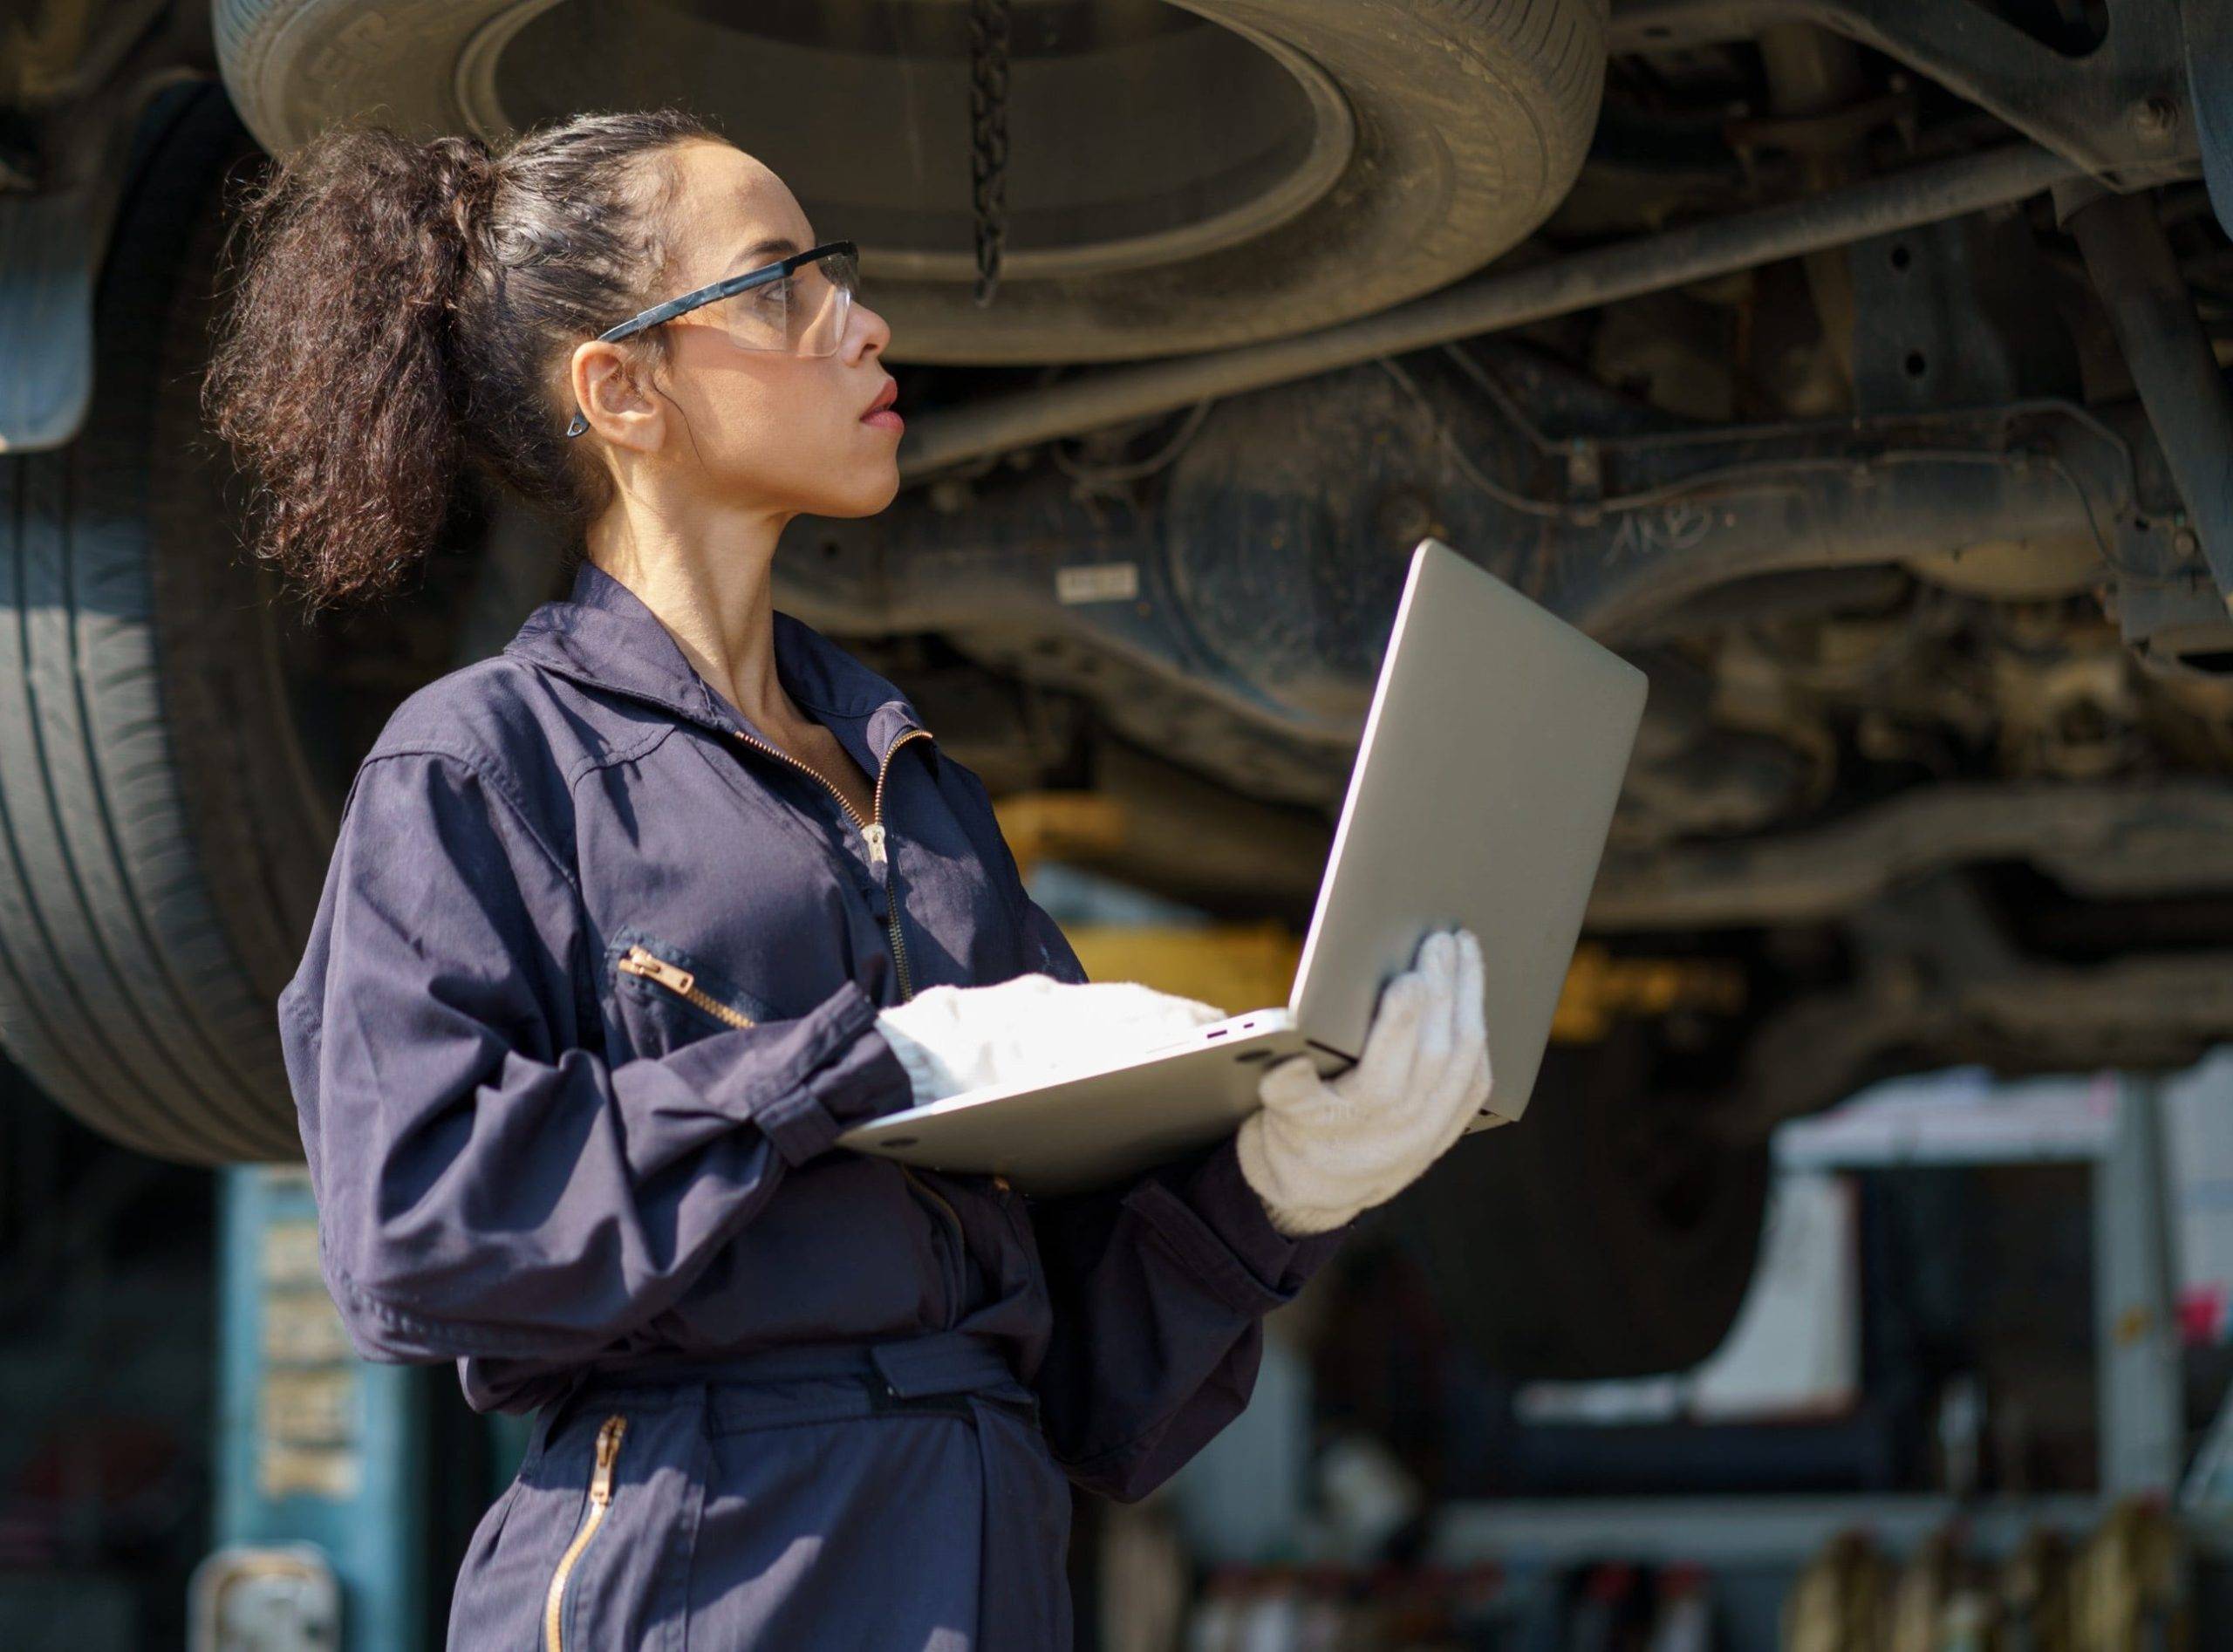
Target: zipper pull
608,1448
637,961
874,833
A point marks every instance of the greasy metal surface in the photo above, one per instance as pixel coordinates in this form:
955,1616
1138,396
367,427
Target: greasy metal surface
2112,840
1498,299
1261,581
1938,983
2173,362
1956,315
2119,110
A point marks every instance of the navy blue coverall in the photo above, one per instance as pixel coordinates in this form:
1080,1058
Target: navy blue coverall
590,991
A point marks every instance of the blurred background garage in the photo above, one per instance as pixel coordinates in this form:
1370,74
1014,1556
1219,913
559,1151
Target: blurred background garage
1859,1279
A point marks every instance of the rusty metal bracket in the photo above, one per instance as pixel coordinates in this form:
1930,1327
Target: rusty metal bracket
2174,365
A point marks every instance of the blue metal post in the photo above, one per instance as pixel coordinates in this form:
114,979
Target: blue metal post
318,1446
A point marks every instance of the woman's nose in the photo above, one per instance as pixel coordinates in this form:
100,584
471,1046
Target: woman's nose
865,330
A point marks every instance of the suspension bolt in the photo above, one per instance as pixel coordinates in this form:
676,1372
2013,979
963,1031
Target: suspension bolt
2155,117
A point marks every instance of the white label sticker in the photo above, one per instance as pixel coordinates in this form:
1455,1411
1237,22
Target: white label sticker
1097,582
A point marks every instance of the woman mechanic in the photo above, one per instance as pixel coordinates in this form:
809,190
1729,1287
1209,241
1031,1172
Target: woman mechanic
624,925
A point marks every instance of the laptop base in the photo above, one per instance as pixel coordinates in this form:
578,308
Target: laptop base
1072,1135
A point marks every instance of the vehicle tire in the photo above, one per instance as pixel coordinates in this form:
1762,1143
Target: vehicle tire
173,752
122,995
1598,1237
1181,177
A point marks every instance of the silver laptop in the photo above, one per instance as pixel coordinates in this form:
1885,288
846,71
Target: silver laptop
1484,786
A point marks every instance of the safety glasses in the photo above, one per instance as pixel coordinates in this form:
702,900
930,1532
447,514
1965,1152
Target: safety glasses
797,305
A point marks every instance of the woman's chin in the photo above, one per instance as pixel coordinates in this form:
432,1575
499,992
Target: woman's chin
881,484
868,491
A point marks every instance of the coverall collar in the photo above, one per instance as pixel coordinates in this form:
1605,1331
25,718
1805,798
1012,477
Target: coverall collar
604,635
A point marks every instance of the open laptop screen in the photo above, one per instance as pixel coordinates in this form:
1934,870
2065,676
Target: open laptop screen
1492,755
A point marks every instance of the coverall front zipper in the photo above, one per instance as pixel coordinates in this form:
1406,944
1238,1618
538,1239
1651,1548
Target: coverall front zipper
872,832
554,1603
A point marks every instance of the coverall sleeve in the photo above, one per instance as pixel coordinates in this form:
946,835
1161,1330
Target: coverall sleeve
1159,1289
487,1185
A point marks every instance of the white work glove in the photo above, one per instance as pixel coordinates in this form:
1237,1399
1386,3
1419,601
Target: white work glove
951,1038
1319,1151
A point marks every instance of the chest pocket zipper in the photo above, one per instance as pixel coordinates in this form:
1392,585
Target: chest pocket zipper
554,1603
638,961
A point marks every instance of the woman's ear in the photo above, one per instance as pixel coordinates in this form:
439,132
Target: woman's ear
618,407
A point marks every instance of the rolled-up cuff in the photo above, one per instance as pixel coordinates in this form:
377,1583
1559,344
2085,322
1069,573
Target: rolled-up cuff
832,1071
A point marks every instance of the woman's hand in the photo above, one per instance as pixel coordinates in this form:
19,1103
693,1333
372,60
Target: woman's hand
1321,1150
951,1038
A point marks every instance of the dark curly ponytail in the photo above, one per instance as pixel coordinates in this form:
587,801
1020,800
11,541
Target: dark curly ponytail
403,308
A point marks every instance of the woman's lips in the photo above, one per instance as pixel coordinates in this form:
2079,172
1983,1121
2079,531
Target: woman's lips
883,414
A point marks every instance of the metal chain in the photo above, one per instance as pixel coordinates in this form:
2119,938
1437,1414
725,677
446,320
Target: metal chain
988,137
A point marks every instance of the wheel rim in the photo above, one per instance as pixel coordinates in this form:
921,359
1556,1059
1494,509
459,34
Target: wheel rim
1244,133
